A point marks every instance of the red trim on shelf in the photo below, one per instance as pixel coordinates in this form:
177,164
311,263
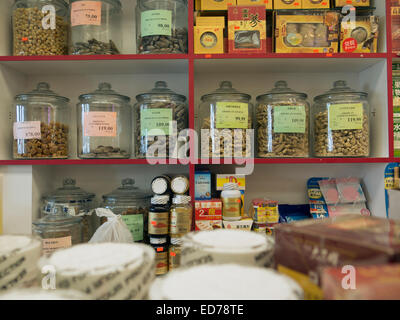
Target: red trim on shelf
296,161
292,56
86,162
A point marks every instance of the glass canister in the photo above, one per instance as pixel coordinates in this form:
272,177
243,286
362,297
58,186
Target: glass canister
104,124
40,27
58,230
132,205
226,116
283,117
159,117
76,202
161,26
95,27
341,123
41,124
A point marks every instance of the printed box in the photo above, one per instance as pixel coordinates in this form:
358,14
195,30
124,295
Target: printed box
287,4
202,185
268,3
315,4
208,214
217,4
360,36
354,3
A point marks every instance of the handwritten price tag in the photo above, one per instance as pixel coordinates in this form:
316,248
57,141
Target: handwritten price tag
27,130
86,13
100,124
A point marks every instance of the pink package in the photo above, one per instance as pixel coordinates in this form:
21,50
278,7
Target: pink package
350,190
342,209
329,191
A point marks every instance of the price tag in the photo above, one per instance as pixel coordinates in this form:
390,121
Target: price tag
100,124
157,121
27,130
156,23
86,13
232,115
289,119
346,116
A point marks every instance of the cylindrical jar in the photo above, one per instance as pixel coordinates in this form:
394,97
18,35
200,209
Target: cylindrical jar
226,117
158,226
283,117
104,124
181,217
341,123
180,184
40,27
160,116
161,26
161,258
161,184
41,124
174,259
231,202
95,27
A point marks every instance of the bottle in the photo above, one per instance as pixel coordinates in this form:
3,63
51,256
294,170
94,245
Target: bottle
158,218
181,217
160,184
231,202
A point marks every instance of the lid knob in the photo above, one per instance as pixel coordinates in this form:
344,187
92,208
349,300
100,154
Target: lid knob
128,182
43,86
281,84
69,182
225,85
340,84
104,86
161,85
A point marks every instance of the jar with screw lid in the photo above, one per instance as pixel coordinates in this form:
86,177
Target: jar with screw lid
181,217
158,218
231,202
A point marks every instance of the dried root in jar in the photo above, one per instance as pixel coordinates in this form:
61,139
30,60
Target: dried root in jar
176,43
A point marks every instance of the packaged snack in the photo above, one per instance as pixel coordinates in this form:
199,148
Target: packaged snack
350,190
272,214
360,36
258,211
343,209
318,207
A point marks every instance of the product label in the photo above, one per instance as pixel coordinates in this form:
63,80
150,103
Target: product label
156,23
134,223
100,124
161,262
155,122
231,207
51,244
232,115
396,130
272,215
174,257
27,130
346,116
181,221
289,119
244,224
86,13
158,222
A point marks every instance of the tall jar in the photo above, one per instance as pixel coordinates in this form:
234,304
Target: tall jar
160,115
132,205
41,124
104,124
341,123
95,27
283,117
226,116
40,27
181,218
76,202
161,26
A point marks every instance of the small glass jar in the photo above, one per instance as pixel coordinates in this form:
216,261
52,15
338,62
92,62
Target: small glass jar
174,259
76,202
95,27
104,124
40,27
181,217
161,250
341,123
41,124
58,230
161,26
283,117
226,116
159,217
132,205
160,115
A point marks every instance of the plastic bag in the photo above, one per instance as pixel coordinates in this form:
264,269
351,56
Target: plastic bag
114,230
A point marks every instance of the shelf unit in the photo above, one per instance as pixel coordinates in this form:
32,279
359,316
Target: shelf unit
193,75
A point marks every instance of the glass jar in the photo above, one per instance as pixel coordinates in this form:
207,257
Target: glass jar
96,26
160,115
58,230
40,27
226,116
181,218
161,26
341,123
161,250
158,218
104,124
174,257
283,117
132,205
76,202
41,124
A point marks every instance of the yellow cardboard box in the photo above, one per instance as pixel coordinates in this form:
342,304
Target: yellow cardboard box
197,5
315,4
208,39
217,4
210,21
355,3
287,4
268,3
360,37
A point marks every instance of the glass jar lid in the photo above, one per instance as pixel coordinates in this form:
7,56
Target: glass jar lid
160,91
42,92
281,88
115,3
225,91
339,90
103,91
68,193
127,192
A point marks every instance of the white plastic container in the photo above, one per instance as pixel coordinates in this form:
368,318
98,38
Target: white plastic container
231,202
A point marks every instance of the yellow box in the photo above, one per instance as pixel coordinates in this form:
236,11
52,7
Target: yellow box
210,21
362,37
268,3
208,39
217,4
315,4
197,5
355,3
287,4
307,32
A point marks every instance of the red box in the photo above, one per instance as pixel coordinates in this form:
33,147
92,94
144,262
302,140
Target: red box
208,214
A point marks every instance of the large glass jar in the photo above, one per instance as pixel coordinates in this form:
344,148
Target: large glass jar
76,202
226,116
58,230
155,115
40,27
133,205
104,124
161,26
41,124
283,117
96,26
341,123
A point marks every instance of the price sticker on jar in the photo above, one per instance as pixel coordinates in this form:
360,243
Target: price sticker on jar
232,115
346,116
27,130
86,13
100,124
156,23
